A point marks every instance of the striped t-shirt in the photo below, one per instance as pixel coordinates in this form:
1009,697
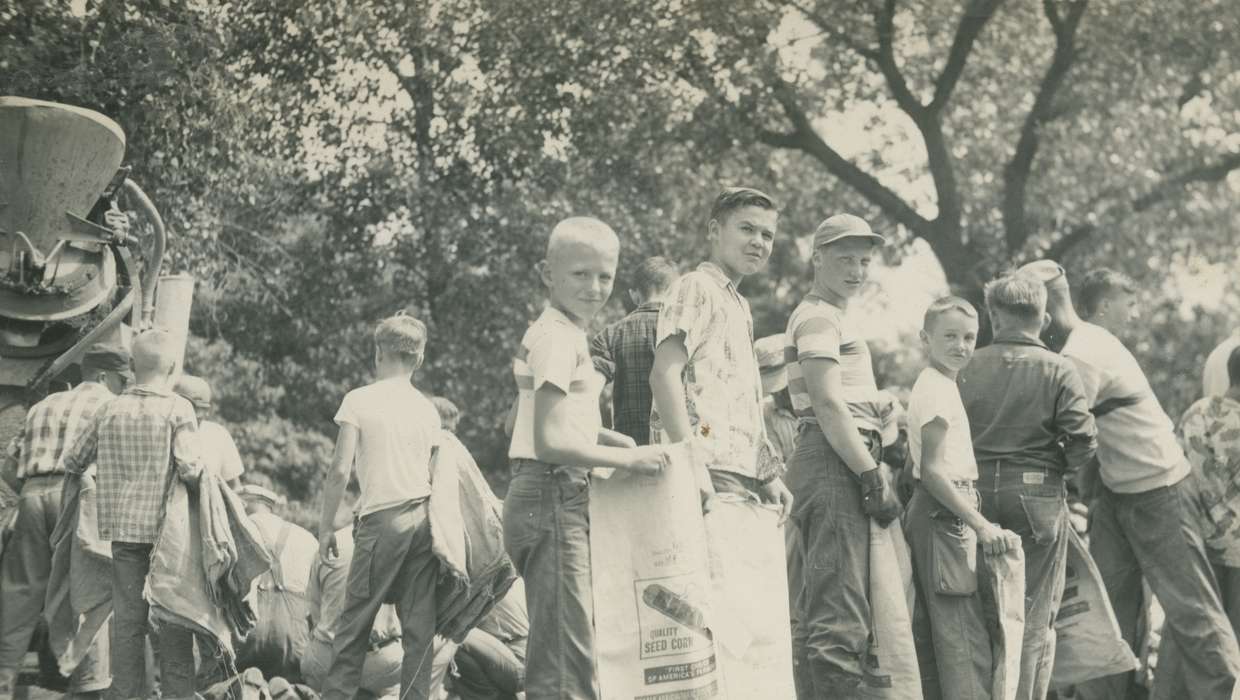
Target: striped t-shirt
817,329
555,351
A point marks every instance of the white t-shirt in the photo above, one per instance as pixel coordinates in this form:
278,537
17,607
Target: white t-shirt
219,452
301,549
1137,448
555,351
398,427
936,396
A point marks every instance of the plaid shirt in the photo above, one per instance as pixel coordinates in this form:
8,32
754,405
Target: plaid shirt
137,439
52,425
624,353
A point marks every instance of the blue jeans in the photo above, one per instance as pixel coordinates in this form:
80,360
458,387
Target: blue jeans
962,660
547,534
488,668
831,632
392,563
1031,502
131,562
1157,534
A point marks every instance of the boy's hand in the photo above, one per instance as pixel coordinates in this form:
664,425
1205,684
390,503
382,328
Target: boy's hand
328,551
775,492
995,540
648,459
878,500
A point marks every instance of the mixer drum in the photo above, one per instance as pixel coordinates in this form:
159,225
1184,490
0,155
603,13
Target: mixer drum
55,163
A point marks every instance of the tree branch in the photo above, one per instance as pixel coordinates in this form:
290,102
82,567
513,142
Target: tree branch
1016,172
975,17
805,138
886,59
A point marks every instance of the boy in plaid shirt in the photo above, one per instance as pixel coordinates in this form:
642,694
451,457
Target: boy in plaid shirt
138,440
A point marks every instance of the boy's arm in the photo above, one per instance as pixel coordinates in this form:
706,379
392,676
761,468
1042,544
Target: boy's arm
668,388
600,354
187,450
81,454
993,539
510,420
826,393
611,438
337,479
555,443
1074,422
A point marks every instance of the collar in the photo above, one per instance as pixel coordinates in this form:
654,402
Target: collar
715,272
1018,339
147,390
553,314
91,386
652,306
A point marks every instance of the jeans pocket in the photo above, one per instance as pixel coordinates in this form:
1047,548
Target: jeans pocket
1045,515
361,564
523,512
574,491
953,556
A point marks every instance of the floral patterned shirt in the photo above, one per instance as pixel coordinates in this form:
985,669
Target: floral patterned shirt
1210,436
723,388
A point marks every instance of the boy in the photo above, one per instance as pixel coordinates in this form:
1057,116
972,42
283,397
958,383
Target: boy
139,440
1109,299
388,429
834,472
624,351
1145,519
705,379
1031,430
944,525
557,437
219,452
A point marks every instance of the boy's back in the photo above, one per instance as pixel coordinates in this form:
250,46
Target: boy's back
397,428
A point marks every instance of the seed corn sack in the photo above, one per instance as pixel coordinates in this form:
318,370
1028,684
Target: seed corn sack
652,588
891,671
1005,582
1088,640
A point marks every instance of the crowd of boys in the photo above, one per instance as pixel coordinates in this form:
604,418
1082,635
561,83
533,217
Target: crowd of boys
998,441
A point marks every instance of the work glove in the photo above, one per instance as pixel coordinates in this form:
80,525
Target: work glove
878,499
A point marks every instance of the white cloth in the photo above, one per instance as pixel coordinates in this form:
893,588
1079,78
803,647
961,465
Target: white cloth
555,351
398,427
301,550
936,396
1137,447
219,452
1214,379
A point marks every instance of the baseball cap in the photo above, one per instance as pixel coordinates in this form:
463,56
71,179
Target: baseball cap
260,493
107,356
770,352
195,389
1048,271
843,226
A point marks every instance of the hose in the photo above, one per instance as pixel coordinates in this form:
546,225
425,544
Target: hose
155,256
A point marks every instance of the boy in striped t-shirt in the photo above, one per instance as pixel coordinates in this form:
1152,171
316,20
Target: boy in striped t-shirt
834,474
558,437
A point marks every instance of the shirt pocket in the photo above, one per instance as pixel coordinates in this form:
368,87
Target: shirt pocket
953,556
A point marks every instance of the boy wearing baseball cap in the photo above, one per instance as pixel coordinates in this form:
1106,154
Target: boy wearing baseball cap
834,473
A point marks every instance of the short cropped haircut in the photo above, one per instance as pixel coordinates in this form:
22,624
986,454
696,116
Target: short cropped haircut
1097,284
1020,295
654,275
401,336
1233,367
942,305
154,351
733,198
449,414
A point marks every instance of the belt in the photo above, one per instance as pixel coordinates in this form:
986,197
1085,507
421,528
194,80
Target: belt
57,477
376,646
538,465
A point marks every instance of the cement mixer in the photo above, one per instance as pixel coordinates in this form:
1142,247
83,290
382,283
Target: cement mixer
67,280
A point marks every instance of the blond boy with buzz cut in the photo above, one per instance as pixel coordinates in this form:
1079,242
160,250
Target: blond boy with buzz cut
557,438
388,432
944,524
138,441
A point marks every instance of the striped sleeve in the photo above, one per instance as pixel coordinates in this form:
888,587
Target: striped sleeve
817,336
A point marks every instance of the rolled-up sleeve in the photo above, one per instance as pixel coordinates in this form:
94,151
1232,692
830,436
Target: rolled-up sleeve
687,312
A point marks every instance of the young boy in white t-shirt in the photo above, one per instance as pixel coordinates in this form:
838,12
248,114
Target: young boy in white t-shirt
388,431
558,436
943,523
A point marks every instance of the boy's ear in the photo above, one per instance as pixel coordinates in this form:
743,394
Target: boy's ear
544,271
635,297
712,231
925,337
1046,321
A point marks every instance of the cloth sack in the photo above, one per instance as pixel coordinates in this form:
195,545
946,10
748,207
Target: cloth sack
891,671
1088,640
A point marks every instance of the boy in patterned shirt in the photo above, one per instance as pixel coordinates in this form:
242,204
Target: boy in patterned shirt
557,438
